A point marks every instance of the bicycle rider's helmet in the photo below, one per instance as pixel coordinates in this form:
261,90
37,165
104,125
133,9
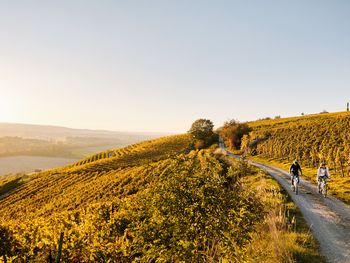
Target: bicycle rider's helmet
295,161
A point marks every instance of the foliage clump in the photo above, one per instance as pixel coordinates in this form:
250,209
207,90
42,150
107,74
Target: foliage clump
192,214
233,132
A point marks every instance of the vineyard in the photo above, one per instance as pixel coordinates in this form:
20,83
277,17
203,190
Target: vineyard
76,185
156,201
133,154
310,139
147,198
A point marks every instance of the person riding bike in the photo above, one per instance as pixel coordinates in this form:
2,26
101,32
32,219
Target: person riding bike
294,170
322,174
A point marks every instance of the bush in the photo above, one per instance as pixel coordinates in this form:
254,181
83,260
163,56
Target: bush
193,214
233,133
9,245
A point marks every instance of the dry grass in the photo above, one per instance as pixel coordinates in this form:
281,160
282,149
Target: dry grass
283,235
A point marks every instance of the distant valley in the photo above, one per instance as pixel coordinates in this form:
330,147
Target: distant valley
24,147
29,164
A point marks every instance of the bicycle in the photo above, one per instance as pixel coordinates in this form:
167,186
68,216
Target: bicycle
322,186
295,183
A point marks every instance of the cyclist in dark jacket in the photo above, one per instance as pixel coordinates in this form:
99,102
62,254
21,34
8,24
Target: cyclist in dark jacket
294,170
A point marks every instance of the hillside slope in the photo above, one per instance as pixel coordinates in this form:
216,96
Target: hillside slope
90,180
309,139
153,201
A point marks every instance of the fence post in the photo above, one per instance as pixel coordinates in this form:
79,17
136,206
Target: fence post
50,258
59,252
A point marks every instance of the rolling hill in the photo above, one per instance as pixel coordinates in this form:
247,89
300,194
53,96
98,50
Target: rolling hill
156,200
310,139
57,133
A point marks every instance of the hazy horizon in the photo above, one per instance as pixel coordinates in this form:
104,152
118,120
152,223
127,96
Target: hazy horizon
82,128
155,66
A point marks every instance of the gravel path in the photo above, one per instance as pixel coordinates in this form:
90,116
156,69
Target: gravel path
328,217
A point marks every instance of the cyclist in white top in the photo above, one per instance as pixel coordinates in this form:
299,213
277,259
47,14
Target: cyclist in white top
322,173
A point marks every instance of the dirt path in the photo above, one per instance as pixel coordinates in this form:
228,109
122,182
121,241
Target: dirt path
328,217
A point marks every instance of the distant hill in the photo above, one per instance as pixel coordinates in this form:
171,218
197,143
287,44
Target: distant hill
40,140
45,132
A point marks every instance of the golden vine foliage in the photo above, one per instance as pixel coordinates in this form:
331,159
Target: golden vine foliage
153,201
309,138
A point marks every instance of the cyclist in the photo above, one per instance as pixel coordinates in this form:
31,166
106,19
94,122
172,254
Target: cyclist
294,171
322,174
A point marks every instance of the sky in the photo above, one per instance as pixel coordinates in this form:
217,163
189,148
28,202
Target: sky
156,66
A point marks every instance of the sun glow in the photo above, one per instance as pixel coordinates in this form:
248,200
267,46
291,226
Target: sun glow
6,111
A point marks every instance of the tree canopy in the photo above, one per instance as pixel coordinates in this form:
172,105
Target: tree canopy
202,129
202,133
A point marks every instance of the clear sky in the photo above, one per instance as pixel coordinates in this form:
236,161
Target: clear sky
159,65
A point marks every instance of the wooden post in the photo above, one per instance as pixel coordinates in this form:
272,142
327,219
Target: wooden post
50,258
342,168
347,106
59,252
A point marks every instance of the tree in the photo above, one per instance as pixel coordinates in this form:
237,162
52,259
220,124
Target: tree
202,133
201,129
